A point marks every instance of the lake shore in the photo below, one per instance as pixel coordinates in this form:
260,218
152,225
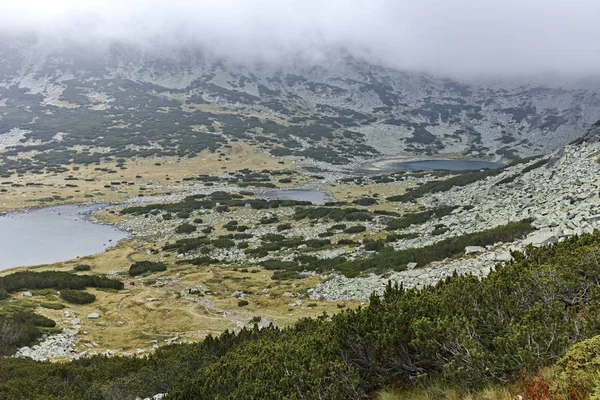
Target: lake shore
57,234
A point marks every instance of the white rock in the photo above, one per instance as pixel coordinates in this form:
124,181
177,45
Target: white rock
93,315
541,238
503,256
474,249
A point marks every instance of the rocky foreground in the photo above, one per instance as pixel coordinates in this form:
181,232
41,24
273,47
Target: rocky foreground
562,199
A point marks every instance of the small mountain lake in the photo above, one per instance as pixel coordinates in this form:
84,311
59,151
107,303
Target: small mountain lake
395,165
314,196
49,235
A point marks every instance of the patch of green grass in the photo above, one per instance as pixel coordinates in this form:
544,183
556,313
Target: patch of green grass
53,306
43,292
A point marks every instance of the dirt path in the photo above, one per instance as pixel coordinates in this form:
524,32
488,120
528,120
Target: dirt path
130,323
129,257
212,309
212,312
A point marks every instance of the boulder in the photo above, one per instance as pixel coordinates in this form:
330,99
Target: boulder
541,238
593,218
411,265
93,315
503,256
474,249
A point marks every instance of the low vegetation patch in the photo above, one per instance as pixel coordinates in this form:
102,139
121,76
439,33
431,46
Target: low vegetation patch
419,218
82,268
77,296
185,229
463,179
397,260
333,214
143,267
20,329
220,201
23,280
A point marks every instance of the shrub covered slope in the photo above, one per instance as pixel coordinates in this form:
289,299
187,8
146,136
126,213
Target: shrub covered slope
463,331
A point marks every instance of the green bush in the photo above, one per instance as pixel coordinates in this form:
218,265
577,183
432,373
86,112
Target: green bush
82,267
141,267
317,243
365,201
397,260
272,237
464,331
283,227
444,185
281,275
242,303
333,213
266,221
223,243
374,245
77,296
355,229
20,329
53,306
55,280
185,229
231,225
338,227
418,218
201,261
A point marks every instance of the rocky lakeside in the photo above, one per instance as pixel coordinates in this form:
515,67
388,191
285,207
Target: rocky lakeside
562,198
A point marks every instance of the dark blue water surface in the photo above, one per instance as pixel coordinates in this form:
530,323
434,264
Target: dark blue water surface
444,165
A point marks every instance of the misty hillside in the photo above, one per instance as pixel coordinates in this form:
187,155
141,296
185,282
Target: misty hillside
78,105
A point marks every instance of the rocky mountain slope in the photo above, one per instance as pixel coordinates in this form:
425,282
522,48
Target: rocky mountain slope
82,103
561,199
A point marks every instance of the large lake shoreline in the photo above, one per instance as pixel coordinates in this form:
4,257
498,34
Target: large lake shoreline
54,234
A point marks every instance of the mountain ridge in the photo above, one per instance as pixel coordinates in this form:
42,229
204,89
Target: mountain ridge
389,111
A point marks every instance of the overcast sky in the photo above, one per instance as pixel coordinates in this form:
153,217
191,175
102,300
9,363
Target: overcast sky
450,36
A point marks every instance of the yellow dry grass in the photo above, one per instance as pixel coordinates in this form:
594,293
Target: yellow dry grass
441,392
350,192
158,176
158,307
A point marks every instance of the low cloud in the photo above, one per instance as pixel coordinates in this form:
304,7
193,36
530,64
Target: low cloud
466,37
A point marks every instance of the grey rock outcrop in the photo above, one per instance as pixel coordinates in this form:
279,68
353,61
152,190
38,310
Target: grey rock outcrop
561,200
